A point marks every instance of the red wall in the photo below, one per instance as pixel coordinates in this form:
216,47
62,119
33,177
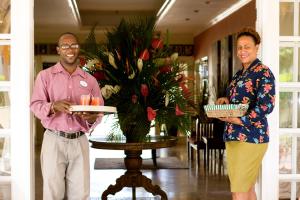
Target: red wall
245,16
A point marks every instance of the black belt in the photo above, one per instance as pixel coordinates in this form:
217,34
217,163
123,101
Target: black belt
67,135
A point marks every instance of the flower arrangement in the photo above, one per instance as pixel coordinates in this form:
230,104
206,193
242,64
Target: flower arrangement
140,76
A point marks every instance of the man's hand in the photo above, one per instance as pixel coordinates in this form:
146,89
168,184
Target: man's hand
90,117
61,106
222,100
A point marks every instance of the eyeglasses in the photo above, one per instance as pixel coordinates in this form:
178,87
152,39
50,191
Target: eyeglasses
67,46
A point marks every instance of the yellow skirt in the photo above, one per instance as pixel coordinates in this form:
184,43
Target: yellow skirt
243,163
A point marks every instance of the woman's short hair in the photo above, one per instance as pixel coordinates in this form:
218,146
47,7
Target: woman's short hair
247,31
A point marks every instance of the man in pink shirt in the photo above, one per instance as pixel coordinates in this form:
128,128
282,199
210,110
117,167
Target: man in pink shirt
65,148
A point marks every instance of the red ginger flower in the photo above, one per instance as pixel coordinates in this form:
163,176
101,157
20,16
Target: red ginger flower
144,55
82,61
178,111
184,88
157,43
165,69
151,114
144,90
99,75
134,98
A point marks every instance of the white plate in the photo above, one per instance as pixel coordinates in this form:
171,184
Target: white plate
80,108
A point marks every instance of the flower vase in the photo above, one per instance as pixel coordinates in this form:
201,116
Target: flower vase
135,131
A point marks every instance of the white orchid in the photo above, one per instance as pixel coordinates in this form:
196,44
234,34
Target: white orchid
174,57
111,60
117,88
183,66
132,75
107,91
140,64
167,99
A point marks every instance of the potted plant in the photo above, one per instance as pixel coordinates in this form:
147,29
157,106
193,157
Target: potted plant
140,76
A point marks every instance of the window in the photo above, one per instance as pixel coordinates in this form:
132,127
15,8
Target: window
5,120
289,100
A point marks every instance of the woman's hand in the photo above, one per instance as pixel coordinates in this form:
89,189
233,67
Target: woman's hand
222,100
233,120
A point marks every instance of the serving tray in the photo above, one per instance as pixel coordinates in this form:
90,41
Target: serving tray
226,110
84,108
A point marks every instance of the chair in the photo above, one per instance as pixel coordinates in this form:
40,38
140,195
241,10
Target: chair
195,142
213,141
206,136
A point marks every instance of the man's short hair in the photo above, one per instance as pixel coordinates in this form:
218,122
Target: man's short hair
67,33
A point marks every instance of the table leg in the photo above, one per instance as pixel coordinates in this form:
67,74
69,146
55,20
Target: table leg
133,178
133,193
153,154
154,189
113,189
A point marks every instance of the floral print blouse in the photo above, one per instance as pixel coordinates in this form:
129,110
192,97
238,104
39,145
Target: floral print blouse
256,87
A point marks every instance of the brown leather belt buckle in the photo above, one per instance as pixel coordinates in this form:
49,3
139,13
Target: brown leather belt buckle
68,135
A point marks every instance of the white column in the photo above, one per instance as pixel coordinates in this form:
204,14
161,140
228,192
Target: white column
22,55
268,26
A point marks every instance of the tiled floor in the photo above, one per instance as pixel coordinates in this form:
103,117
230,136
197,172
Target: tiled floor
179,184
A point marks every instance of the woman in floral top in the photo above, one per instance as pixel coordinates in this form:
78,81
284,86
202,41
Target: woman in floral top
247,137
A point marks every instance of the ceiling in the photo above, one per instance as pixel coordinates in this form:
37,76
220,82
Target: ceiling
184,20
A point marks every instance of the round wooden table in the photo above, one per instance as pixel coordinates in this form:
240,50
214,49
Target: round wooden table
133,176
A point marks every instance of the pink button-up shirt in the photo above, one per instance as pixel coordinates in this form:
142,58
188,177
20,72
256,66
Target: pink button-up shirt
54,84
